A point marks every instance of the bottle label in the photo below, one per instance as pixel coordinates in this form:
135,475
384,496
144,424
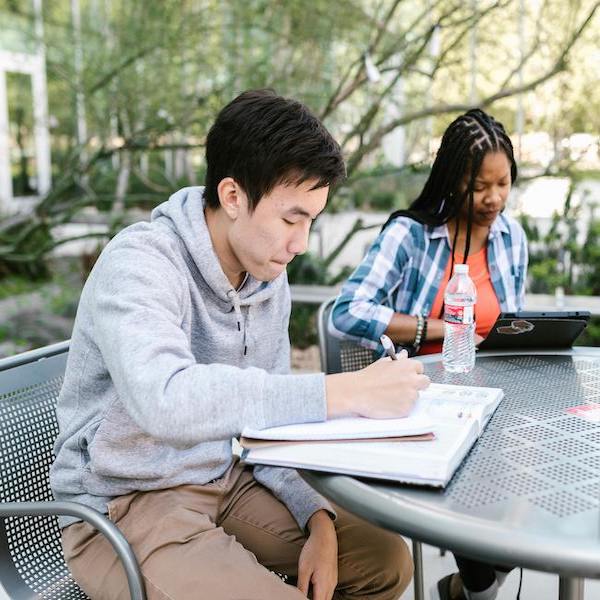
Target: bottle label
461,315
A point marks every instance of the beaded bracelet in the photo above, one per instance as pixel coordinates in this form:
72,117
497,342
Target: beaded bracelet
424,335
419,334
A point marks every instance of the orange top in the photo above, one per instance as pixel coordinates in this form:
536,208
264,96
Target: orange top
487,307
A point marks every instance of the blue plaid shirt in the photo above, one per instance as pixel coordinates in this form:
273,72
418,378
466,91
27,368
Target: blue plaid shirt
403,270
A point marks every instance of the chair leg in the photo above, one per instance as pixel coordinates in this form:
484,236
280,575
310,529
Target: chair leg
418,576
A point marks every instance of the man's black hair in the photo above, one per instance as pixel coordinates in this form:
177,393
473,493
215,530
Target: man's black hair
261,139
462,150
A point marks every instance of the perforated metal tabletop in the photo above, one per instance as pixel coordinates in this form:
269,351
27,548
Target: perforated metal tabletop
528,493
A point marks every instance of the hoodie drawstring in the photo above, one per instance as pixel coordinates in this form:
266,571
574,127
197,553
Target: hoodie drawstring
246,329
235,300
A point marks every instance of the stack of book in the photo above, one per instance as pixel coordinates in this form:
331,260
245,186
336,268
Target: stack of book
426,447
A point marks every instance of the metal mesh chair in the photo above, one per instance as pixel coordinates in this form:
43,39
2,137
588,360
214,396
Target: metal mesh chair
31,559
340,356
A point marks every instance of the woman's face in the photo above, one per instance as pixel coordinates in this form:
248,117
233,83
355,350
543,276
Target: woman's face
490,190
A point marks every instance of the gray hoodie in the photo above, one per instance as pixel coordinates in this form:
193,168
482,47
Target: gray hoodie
168,362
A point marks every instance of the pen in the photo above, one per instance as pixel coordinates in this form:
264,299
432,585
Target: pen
388,346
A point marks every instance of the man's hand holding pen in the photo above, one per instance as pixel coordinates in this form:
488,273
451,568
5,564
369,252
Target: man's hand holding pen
386,389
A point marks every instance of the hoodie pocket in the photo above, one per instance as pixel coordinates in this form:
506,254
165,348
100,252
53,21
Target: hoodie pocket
86,437
121,450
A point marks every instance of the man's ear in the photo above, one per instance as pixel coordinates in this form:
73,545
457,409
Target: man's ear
232,198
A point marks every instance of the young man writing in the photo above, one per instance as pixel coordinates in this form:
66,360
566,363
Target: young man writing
180,341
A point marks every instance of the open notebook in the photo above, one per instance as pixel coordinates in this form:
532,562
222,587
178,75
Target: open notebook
456,415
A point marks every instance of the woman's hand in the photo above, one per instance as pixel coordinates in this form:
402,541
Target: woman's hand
318,563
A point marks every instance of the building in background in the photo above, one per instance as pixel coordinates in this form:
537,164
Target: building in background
25,167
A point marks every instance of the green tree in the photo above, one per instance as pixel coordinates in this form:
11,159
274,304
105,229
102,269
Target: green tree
153,75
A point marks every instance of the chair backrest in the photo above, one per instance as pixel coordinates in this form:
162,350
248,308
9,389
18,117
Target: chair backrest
339,356
30,549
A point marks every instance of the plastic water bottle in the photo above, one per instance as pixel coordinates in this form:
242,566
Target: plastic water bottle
458,351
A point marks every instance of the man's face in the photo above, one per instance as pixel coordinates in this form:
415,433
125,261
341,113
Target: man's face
490,190
265,241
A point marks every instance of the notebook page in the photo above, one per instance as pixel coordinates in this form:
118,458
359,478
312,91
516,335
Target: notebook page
345,428
446,402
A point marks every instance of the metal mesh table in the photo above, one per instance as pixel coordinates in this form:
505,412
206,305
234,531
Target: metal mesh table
528,493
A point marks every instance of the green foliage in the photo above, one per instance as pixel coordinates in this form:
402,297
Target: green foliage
308,269
15,285
590,261
62,298
20,245
20,105
387,189
545,277
557,259
311,270
303,325
591,334
154,75
4,332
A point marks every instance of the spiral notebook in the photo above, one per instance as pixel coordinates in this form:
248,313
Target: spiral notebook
455,417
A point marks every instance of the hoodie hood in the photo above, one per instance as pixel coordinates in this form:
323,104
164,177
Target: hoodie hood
183,213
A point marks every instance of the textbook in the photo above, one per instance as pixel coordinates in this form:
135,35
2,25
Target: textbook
455,415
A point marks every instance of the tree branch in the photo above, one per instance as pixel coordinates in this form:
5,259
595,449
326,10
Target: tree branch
358,226
124,64
559,66
339,95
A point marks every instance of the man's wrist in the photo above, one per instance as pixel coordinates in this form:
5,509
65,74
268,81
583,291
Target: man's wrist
338,395
319,520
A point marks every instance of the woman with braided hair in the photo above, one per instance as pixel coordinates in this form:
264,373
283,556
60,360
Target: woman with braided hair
398,289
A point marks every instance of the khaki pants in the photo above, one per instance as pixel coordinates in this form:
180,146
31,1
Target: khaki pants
220,541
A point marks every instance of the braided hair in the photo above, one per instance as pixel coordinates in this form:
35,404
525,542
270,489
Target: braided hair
464,145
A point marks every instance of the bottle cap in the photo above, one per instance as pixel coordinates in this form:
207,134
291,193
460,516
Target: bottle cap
461,269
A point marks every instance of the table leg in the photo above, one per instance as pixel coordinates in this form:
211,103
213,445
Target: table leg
418,575
570,588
